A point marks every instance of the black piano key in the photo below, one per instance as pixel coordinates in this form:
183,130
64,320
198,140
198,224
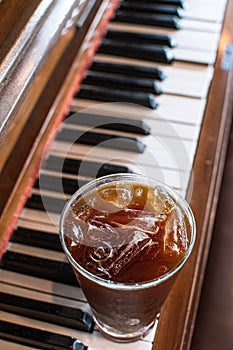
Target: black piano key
130,69
141,38
38,338
131,144
134,126
47,269
47,312
36,238
146,52
122,82
109,95
51,204
179,3
78,166
158,20
168,9
57,184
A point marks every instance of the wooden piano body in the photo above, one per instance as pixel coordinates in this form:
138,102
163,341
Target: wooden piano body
46,47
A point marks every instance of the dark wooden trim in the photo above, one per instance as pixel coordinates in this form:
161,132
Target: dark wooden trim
177,320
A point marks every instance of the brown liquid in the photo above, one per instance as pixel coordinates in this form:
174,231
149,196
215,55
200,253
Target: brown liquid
126,233
129,233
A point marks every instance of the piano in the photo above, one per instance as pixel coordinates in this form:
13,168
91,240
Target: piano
91,87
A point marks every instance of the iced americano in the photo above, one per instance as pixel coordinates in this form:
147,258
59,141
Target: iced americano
126,238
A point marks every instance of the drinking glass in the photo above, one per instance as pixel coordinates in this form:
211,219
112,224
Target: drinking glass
124,311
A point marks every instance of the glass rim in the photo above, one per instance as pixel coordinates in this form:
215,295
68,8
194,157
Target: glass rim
118,178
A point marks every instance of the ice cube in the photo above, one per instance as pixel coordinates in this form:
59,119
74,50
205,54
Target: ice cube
102,252
175,235
97,270
122,255
142,219
139,192
119,195
147,224
160,200
97,232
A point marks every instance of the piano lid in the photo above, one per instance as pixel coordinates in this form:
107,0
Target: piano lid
33,36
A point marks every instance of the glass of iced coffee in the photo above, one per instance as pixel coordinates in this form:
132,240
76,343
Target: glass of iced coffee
126,238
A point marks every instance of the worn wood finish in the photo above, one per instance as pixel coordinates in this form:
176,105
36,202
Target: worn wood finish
178,316
13,20
14,116
19,25
15,182
27,65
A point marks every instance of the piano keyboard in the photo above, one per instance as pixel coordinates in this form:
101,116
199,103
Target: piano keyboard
140,109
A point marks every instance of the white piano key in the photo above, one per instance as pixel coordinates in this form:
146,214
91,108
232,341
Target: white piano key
196,40
64,301
181,109
102,343
207,1
194,46
57,195
162,131
38,252
181,78
98,342
193,39
207,11
42,285
171,108
94,341
5,345
196,56
34,216
175,130
161,138
151,335
36,226
157,125
48,298
178,179
190,81
191,24
173,154
31,215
